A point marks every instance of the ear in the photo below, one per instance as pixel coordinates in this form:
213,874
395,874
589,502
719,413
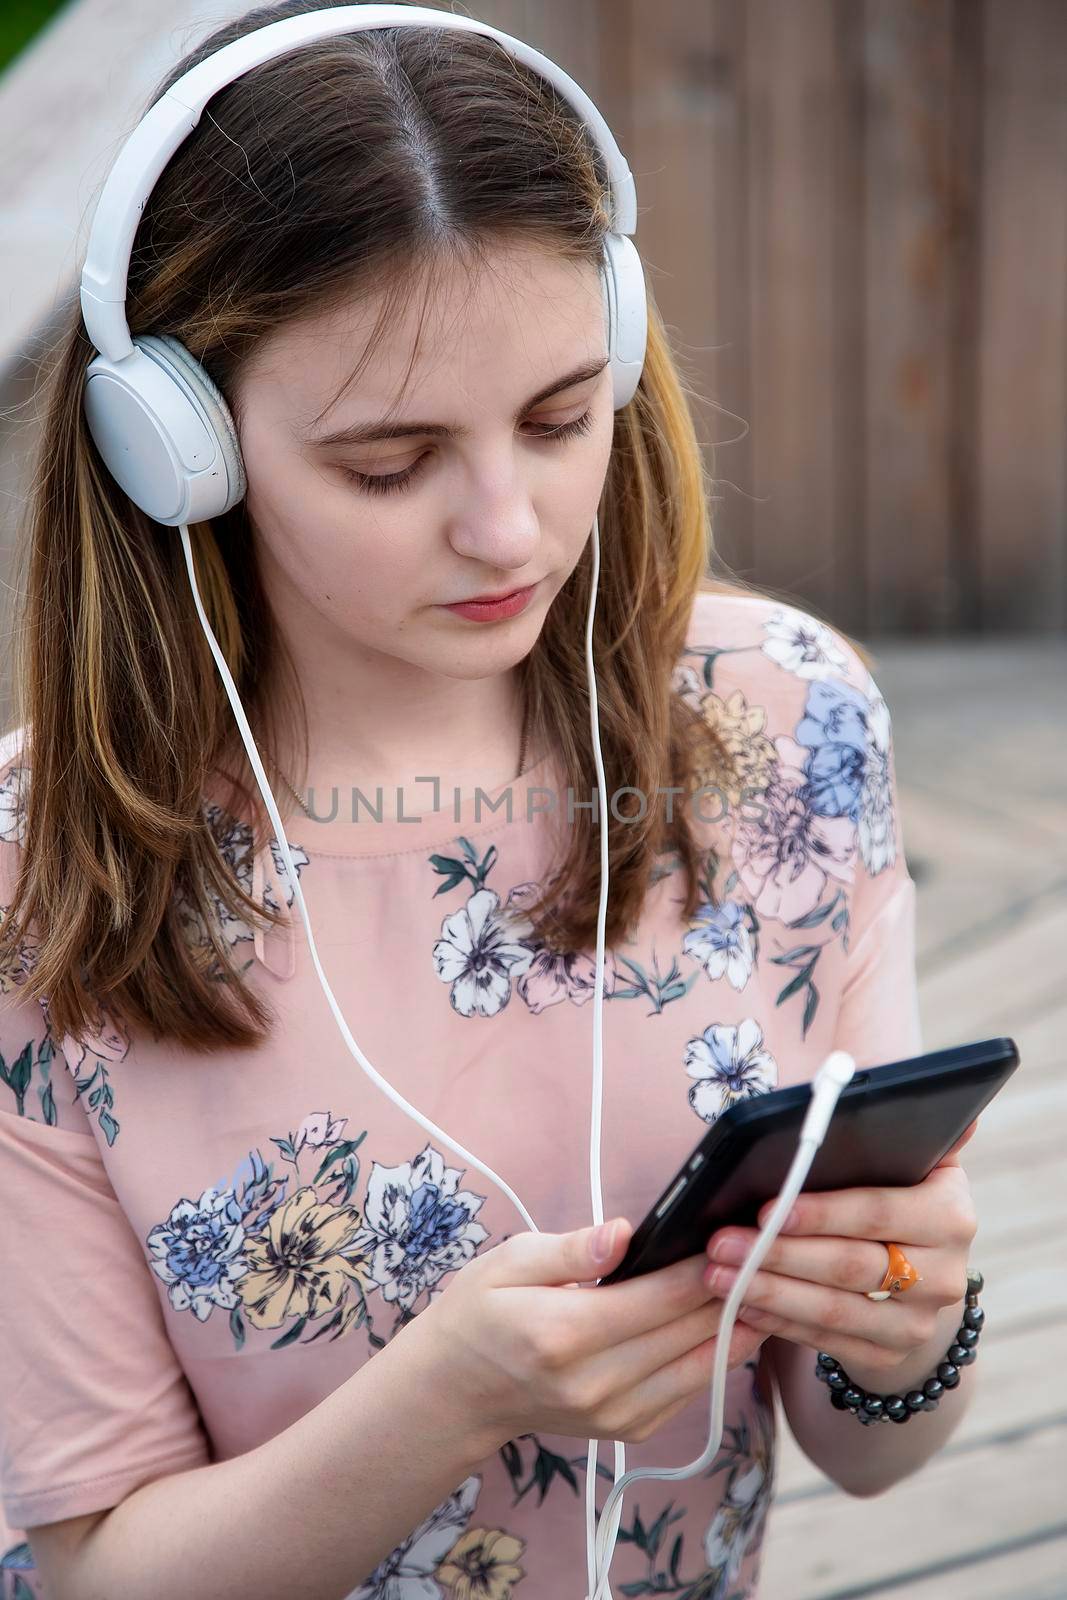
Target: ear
948,1159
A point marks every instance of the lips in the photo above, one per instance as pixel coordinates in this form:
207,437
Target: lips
491,599
497,610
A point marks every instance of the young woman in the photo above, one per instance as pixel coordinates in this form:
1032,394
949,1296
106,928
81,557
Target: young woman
260,1336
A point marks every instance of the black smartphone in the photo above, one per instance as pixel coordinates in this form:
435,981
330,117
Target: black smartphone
890,1127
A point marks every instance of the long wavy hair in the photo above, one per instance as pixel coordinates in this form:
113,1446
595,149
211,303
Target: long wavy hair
269,209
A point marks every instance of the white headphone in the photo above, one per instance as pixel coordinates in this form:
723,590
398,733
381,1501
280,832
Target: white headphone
167,438
161,426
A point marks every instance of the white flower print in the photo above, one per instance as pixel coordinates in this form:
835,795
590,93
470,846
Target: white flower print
478,954
234,840
877,832
23,959
418,1226
107,1042
300,859
13,805
19,965
787,856
316,1130
729,1064
727,1539
407,1573
802,645
551,976
689,685
722,943
737,1527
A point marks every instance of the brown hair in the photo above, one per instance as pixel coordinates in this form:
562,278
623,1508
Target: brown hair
269,209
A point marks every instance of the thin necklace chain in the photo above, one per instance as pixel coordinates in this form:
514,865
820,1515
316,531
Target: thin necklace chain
522,763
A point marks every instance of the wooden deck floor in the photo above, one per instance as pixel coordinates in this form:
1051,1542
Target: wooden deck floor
980,734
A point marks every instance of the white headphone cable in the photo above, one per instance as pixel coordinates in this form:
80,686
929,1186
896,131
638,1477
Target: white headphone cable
387,1088
835,1072
831,1078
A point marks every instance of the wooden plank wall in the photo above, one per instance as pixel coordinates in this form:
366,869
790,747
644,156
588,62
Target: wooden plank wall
854,218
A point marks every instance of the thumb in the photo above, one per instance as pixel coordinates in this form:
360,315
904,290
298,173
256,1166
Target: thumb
604,1253
566,1259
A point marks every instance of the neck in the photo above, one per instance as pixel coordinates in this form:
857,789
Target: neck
486,756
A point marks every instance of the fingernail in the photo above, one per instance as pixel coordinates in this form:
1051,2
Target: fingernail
602,1241
728,1249
720,1278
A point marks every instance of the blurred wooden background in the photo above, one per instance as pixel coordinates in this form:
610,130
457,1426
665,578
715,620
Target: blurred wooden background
854,216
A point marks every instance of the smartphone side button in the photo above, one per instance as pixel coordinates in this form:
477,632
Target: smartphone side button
695,1163
669,1197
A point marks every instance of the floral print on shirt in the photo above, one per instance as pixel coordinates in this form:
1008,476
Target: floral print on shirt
292,1257
269,1258
235,840
106,1040
484,947
482,1564
825,797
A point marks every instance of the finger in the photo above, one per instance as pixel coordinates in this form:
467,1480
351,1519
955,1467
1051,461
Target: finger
852,1353
856,1264
893,1324
638,1305
937,1212
676,1382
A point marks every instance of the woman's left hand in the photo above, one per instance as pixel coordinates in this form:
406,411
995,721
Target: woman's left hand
811,1287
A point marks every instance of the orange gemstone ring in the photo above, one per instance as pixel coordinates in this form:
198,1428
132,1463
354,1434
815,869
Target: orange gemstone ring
900,1275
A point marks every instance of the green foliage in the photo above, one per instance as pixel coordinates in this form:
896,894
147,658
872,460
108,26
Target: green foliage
20,20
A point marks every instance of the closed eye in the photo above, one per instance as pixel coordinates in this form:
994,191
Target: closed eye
391,482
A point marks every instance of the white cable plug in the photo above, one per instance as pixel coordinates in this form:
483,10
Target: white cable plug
836,1071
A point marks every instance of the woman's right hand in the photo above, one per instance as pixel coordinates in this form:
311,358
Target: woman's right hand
526,1341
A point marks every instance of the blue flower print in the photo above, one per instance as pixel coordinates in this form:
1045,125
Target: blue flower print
417,1226
834,729
17,1558
721,943
198,1253
728,1064
479,954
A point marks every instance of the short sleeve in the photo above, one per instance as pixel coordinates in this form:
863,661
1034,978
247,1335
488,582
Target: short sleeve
93,1402
878,1020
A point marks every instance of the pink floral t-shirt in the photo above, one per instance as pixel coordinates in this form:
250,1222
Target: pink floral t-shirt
197,1250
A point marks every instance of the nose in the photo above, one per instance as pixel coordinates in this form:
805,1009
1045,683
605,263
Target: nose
496,522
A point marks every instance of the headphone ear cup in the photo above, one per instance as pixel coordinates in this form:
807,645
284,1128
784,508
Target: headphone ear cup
626,314
171,353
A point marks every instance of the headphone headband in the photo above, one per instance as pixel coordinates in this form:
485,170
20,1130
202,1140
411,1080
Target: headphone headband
159,423
174,116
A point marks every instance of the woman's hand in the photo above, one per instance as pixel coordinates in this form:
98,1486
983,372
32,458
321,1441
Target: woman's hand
812,1286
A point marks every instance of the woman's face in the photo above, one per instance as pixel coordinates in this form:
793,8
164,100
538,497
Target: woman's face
484,489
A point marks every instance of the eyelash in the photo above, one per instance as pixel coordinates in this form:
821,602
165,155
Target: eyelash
391,482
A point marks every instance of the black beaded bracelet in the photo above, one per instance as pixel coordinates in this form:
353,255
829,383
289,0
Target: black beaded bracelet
848,1396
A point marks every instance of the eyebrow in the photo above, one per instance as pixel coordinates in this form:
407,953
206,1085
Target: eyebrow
370,432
